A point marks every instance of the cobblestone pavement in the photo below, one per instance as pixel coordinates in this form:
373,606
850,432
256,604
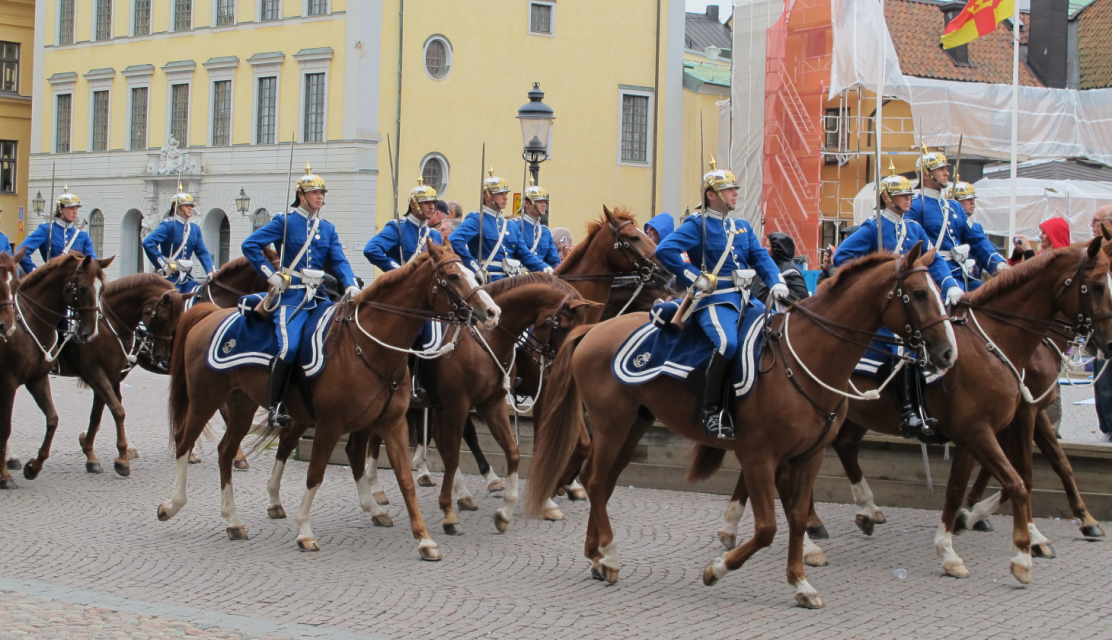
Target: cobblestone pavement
85,556
1079,421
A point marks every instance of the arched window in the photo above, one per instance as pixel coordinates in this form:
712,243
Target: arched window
131,243
259,219
434,171
96,231
225,242
438,57
218,235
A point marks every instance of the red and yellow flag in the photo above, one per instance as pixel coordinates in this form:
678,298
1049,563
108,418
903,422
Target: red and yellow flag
977,19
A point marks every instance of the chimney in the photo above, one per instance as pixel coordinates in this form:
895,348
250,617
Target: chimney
958,55
712,12
1048,41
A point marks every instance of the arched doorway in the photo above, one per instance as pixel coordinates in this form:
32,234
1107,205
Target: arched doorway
259,219
218,236
131,248
96,231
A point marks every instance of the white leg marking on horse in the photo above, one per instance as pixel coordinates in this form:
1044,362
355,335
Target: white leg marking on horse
550,504
981,510
575,484
228,506
804,587
367,496
1021,558
426,543
1036,536
419,456
305,532
810,547
944,547
459,486
370,469
610,555
491,478
274,484
172,506
863,498
509,499
718,567
732,516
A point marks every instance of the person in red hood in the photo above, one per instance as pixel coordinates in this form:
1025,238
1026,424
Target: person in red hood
1053,234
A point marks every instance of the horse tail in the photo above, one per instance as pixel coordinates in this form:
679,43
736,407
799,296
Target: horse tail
179,391
558,430
704,462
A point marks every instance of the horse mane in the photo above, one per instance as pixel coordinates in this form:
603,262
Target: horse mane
388,278
7,261
505,284
1017,275
851,270
44,271
138,279
593,227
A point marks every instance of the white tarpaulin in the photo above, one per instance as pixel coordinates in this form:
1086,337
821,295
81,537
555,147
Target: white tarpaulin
1054,123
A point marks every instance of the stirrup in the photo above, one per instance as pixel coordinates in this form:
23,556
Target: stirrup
277,417
718,424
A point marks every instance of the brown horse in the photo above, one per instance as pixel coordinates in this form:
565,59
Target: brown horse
67,285
365,382
237,278
982,395
785,420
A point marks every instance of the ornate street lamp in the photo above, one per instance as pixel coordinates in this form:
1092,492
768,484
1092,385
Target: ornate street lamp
38,204
536,130
243,202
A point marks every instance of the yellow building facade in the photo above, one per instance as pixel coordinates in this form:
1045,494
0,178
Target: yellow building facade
132,94
17,80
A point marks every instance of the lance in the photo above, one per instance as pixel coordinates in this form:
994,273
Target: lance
703,195
394,181
271,300
50,218
482,212
957,163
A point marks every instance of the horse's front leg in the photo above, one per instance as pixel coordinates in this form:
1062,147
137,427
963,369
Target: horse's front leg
800,483
40,391
86,440
1047,441
107,392
357,458
241,410
760,480
735,509
374,445
496,415
396,436
847,444
286,444
7,401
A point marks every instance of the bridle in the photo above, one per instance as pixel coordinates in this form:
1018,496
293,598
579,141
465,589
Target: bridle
643,268
71,313
543,353
912,328
142,339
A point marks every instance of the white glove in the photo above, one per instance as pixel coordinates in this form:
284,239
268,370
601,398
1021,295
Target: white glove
778,291
203,279
549,270
953,295
351,291
703,283
1002,266
483,277
277,282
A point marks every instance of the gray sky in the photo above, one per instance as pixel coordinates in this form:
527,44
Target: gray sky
700,6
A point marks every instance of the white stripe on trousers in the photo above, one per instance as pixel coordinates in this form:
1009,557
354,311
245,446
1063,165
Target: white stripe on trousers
718,327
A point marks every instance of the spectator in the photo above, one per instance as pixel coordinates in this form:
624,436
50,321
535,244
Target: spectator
438,214
826,260
455,211
1053,234
1102,389
562,238
447,226
659,227
782,249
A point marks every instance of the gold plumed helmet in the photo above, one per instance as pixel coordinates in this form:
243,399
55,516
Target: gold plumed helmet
718,179
67,199
310,181
930,160
493,184
535,194
961,191
181,197
893,184
422,192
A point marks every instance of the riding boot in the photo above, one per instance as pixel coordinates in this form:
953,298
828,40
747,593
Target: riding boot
929,431
279,382
713,424
426,377
911,425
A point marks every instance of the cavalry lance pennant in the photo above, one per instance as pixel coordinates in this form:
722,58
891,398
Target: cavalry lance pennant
978,18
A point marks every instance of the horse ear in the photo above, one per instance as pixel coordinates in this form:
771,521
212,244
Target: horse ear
168,296
187,296
85,260
20,254
913,255
608,213
1105,231
434,250
104,263
576,304
1094,248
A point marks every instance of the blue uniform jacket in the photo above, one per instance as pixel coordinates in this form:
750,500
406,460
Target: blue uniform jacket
746,253
383,249
465,242
325,251
927,211
161,243
5,245
538,239
899,236
58,240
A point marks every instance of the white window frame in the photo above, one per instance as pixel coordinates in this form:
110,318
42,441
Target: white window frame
131,23
173,20
305,9
529,20
235,15
436,155
58,26
312,61
99,80
61,84
219,70
259,11
425,52
266,64
138,78
650,152
176,73
111,19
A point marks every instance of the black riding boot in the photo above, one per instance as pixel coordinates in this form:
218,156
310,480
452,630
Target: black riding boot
909,399
279,382
713,424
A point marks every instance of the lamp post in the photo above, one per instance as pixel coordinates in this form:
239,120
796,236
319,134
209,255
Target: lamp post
243,202
536,130
38,204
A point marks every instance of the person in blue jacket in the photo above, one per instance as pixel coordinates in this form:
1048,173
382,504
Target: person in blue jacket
59,236
5,245
660,226
900,236
312,246
487,242
719,248
173,244
947,224
536,236
400,241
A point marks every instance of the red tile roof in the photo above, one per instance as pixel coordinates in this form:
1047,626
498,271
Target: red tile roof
1094,55
916,27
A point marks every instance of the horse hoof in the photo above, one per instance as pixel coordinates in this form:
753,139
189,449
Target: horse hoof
429,554
453,529
29,471
121,468
467,503
553,515
561,490
865,524
496,485
308,544
878,517
194,459
237,533
426,481
1044,550
983,526
14,464
609,574
709,577
728,540
162,515
817,532
809,600
7,483
501,522
955,569
577,493
1092,531
815,559
382,520
132,453
241,464
1021,573
276,512
93,467
380,497
960,525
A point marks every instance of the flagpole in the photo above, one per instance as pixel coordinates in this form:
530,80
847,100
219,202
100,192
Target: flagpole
879,128
1015,118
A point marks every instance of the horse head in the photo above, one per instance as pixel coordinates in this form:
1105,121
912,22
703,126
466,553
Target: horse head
160,316
461,291
82,294
1091,309
9,282
920,318
633,250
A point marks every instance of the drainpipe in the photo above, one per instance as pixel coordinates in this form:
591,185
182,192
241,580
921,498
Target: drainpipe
656,109
398,122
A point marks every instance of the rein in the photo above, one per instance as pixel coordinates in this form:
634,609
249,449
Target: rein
70,310
642,273
144,336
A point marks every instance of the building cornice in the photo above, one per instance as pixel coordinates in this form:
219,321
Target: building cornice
179,65
138,71
316,53
222,62
106,73
63,77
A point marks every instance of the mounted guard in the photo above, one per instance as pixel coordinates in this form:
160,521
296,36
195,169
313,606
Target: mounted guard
723,254
58,236
900,235
308,246
5,244
536,236
173,244
488,243
951,230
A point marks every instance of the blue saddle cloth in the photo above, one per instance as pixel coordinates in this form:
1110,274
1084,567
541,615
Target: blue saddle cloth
658,348
248,338
880,354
